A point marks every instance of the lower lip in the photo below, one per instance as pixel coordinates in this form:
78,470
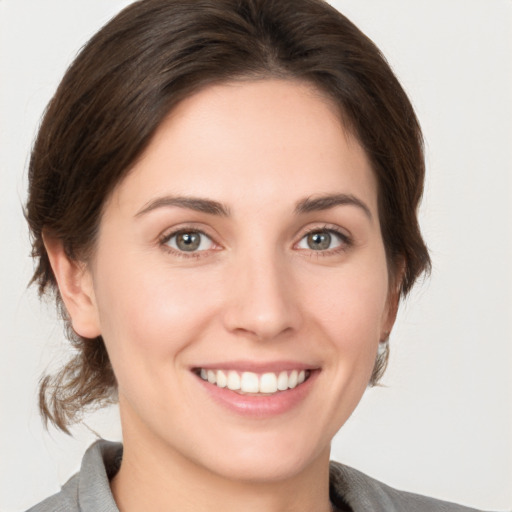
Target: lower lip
262,406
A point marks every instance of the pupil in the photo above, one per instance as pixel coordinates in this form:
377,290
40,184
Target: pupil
319,241
188,241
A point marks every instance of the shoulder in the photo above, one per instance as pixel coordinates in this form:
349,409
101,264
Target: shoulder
89,489
362,492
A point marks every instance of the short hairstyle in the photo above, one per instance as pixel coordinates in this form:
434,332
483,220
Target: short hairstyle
140,65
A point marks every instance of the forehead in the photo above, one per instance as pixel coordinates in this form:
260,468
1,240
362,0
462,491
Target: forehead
249,142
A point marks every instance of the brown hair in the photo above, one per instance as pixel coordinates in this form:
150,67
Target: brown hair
138,67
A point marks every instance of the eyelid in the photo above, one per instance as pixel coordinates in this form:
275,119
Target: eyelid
168,234
345,237
342,234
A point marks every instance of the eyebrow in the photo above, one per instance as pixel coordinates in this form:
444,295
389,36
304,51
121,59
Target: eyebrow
209,206
192,203
326,202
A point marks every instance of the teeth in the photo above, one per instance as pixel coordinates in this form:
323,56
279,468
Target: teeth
282,381
268,383
250,382
222,380
233,381
292,379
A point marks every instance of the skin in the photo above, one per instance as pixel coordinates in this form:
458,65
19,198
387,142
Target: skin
254,291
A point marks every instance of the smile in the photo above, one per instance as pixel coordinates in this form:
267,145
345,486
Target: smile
250,382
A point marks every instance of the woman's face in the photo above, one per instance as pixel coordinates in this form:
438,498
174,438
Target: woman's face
243,249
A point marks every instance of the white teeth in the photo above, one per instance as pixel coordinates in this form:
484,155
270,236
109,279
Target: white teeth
233,380
212,376
268,383
282,381
292,379
222,380
250,382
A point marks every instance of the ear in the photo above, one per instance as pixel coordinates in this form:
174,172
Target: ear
389,315
76,288
395,285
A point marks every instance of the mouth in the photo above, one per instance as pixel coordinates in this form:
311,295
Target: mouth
252,383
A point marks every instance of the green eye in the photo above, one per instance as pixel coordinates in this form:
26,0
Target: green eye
189,241
319,241
322,240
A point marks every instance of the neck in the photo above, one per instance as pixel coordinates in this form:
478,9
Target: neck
158,478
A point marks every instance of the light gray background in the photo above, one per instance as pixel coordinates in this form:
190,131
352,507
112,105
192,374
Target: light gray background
442,424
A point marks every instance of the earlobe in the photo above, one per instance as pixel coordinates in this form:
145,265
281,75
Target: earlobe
76,289
389,320
393,300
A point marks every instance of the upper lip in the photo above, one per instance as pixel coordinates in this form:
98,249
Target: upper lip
257,367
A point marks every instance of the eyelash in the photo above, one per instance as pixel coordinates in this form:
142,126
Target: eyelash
164,240
346,241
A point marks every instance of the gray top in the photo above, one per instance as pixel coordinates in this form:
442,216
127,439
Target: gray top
350,490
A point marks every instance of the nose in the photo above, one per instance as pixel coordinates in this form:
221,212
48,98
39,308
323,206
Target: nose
262,302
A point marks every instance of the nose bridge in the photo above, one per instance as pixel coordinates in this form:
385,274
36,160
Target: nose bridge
262,300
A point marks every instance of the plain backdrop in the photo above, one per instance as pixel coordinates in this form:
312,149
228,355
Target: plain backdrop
442,423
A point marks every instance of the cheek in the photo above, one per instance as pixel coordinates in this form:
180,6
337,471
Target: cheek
350,308
149,311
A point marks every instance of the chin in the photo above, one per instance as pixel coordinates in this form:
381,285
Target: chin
263,456
266,467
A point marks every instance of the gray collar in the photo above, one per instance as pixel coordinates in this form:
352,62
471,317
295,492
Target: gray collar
350,489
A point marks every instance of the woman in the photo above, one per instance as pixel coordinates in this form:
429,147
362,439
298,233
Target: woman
223,307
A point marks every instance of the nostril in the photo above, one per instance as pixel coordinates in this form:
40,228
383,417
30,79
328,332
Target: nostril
261,301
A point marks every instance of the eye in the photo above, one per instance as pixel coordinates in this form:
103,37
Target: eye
323,240
189,241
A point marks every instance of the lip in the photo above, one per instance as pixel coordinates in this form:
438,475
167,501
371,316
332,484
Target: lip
257,367
259,406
